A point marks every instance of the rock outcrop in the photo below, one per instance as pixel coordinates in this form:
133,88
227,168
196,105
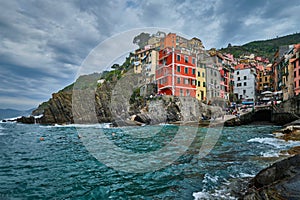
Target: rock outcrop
117,101
57,111
279,181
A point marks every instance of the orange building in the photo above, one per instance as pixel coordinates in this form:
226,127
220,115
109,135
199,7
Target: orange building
176,72
168,41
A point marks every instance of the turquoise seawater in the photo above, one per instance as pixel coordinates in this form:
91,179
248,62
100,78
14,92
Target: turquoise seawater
62,167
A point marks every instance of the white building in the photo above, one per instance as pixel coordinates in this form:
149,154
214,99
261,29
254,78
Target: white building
244,84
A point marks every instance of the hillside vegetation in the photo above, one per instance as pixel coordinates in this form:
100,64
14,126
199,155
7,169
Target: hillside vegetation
264,48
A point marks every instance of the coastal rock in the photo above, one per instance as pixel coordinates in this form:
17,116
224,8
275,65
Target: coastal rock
143,118
279,181
117,101
292,151
289,132
26,120
58,109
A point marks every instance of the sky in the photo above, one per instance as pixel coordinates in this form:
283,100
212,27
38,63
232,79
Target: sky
44,44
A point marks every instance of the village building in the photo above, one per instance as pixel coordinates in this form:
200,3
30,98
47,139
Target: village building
176,72
245,82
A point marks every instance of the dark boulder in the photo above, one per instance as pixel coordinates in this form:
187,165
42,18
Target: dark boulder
26,120
279,181
143,118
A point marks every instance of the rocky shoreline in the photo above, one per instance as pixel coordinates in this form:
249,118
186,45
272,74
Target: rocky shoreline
281,180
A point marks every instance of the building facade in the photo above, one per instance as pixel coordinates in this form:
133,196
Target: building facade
296,66
201,80
245,82
176,72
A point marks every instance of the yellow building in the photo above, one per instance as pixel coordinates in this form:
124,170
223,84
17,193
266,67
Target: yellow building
201,82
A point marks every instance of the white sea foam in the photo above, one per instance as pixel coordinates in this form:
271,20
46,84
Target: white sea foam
38,116
275,142
12,118
216,194
104,125
208,178
221,193
245,175
269,154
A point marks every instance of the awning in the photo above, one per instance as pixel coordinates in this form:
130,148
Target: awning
267,92
266,99
278,92
247,102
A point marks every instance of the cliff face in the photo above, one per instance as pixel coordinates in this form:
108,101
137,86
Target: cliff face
164,109
58,109
118,101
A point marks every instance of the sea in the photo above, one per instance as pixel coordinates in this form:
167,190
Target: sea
63,162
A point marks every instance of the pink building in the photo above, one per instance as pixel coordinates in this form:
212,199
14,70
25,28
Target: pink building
295,62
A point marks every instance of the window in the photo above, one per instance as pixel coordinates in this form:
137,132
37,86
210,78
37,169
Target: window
245,77
245,83
178,57
193,60
260,79
199,83
219,60
186,59
203,74
244,91
203,84
193,82
178,68
237,73
215,73
186,81
193,71
238,84
239,78
186,70
266,78
299,72
199,74
187,92
295,74
178,80
181,92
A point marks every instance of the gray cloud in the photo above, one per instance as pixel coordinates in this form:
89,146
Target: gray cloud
43,43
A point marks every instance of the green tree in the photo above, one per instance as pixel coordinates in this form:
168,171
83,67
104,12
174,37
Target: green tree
141,40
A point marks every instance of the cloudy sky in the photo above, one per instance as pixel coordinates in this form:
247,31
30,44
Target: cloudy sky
44,43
